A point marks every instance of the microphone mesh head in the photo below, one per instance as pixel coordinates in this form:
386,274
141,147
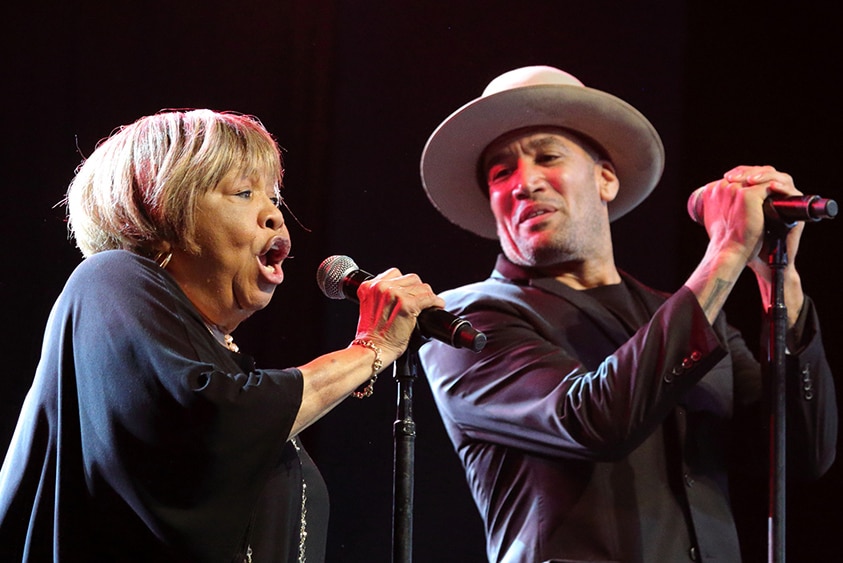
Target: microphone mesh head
332,271
695,206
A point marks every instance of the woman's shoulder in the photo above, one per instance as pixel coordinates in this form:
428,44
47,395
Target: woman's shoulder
113,273
114,265
116,258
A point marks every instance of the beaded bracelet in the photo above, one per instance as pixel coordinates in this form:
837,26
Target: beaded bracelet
376,367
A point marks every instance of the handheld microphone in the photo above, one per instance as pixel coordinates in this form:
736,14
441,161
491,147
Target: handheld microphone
339,277
787,209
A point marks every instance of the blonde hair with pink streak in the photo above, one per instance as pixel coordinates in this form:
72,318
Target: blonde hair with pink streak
139,188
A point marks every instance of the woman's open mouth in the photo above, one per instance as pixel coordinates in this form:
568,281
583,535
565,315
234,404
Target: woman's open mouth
272,257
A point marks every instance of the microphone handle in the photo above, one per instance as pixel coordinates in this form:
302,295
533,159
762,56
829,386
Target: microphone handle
447,327
351,282
432,322
785,209
800,208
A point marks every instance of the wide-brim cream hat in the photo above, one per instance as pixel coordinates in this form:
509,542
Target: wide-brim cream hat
536,96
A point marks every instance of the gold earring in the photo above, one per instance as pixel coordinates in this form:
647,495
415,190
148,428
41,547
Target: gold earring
163,258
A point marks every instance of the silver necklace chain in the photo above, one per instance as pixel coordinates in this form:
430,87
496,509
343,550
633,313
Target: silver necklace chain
303,528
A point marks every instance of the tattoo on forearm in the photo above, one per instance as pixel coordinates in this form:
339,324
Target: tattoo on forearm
717,295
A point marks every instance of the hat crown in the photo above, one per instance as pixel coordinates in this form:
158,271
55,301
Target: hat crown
531,76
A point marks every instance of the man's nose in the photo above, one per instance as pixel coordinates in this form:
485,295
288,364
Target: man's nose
528,178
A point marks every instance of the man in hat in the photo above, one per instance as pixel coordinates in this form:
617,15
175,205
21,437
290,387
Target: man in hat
595,424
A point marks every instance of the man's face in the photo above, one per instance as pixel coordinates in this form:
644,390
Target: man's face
549,195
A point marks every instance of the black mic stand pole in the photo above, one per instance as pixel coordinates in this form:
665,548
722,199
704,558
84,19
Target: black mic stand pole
404,438
777,260
779,220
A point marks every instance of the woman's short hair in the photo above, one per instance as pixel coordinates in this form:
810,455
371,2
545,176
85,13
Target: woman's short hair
140,186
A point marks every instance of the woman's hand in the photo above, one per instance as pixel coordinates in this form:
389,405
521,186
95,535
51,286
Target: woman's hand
389,306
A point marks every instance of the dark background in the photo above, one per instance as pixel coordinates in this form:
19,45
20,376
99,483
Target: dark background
352,89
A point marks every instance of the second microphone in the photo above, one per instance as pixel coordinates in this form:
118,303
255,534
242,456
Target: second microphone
339,277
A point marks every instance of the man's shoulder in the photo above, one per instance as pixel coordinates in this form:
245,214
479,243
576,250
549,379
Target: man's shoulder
490,286
495,292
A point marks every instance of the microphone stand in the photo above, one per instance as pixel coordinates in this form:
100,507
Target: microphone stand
404,438
777,261
781,215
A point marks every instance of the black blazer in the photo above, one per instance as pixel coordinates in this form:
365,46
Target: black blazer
584,442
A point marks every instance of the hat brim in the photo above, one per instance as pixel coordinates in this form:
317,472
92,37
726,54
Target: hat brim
451,155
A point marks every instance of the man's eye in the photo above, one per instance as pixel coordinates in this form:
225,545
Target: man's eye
546,158
245,194
498,173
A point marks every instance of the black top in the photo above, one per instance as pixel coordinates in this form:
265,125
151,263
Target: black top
144,439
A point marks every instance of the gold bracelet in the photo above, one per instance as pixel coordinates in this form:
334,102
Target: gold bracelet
376,367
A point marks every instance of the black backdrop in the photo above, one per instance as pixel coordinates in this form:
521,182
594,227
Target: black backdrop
352,90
